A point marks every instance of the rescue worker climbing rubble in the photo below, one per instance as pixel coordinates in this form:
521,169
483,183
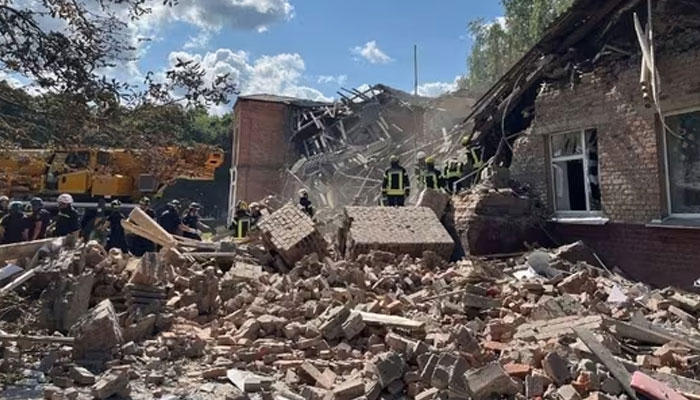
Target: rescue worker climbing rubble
454,170
305,203
432,179
14,225
396,186
241,221
67,220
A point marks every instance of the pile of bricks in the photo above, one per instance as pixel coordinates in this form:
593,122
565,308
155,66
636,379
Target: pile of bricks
400,231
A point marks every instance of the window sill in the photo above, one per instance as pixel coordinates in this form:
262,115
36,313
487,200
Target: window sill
675,223
580,220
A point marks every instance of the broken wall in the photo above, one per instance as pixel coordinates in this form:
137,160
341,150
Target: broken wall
631,159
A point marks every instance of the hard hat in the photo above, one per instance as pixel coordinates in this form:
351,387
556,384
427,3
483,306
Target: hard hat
65,198
174,203
116,203
254,205
465,141
28,207
145,200
430,160
4,198
303,192
195,205
394,159
16,206
36,202
420,155
242,205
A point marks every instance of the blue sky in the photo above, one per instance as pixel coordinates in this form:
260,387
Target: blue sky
310,48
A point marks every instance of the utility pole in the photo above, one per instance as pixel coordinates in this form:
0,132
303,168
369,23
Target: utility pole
415,69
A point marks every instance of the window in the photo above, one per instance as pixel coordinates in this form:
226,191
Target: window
683,163
574,161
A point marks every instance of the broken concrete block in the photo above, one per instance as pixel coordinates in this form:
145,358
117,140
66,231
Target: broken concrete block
556,368
291,233
388,368
568,392
325,381
479,302
353,325
490,380
81,375
535,385
110,383
247,381
394,230
428,367
611,386
577,283
448,371
349,390
331,325
97,333
434,200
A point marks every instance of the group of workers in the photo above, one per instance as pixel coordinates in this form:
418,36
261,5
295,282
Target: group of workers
455,175
19,223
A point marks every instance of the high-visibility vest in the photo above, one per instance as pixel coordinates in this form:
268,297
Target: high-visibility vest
430,179
453,169
395,186
242,227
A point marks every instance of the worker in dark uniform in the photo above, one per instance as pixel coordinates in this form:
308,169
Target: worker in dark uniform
4,205
39,219
305,203
67,220
432,178
191,220
396,186
241,221
255,213
116,237
170,219
138,245
454,170
14,225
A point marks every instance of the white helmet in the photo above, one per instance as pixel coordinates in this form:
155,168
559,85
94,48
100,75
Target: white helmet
421,155
65,198
303,192
4,198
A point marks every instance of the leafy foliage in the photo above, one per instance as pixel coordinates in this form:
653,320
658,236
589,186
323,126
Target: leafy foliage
499,44
64,47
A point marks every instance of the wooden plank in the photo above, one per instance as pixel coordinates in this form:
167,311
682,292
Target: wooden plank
648,335
144,221
210,254
137,230
4,337
391,320
618,371
22,250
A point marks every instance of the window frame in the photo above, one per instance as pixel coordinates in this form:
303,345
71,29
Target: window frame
583,156
667,169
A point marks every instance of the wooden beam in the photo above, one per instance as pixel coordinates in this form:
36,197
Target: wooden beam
391,321
4,337
22,250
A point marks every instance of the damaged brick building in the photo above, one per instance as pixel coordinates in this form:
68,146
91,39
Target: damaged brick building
615,168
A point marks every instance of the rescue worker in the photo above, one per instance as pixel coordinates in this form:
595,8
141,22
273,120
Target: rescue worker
116,237
191,219
169,219
432,179
4,205
420,168
305,203
454,170
474,163
396,186
67,220
255,213
138,245
241,221
39,219
14,224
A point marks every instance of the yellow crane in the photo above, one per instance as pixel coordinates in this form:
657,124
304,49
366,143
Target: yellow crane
91,174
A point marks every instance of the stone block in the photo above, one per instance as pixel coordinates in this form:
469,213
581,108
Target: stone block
349,390
353,325
388,368
291,234
556,368
490,380
97,333
110,383
81,375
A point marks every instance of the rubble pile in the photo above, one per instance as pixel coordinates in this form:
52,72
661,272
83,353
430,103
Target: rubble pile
379,325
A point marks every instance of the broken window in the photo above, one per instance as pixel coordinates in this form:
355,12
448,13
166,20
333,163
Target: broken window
574,160
683,159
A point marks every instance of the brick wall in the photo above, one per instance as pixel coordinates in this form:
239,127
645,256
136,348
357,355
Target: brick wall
261,146
659,256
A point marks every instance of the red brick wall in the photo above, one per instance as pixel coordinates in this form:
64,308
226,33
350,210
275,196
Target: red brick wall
261,146
659,256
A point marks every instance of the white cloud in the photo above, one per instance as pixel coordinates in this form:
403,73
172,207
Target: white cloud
280,74
11,79
332,80
435,89
372,53
199,41
216,14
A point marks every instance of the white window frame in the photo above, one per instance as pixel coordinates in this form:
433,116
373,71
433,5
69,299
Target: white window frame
583,156
667,168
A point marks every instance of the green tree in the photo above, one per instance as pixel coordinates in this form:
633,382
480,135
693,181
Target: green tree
499,44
